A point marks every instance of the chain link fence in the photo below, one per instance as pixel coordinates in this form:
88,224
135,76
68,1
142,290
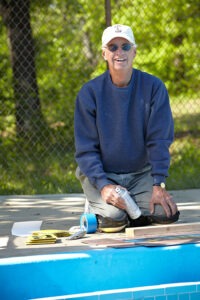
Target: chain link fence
49,49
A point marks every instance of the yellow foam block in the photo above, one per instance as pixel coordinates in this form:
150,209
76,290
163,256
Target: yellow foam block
41,239
55,232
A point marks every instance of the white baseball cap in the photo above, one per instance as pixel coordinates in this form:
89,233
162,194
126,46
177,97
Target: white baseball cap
117,30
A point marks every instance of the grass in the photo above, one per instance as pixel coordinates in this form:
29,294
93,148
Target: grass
29,171
185,151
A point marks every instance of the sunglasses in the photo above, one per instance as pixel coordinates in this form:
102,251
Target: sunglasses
114,47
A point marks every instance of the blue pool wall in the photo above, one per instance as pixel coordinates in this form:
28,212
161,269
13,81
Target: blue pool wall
97,270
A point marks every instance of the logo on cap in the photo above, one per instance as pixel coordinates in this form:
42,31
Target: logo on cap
118,28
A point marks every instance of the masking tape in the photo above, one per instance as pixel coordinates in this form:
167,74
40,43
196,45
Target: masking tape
88,222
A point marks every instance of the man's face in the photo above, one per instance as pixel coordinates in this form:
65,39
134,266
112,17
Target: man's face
120,59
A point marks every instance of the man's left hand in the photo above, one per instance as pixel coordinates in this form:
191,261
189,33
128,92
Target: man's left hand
162,197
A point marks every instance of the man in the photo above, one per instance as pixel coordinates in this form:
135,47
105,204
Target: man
123,131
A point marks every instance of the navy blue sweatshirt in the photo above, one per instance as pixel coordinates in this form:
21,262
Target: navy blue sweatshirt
121,130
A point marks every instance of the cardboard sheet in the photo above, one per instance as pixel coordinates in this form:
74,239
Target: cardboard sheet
25,228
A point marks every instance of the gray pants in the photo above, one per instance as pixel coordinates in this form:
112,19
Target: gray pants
139,185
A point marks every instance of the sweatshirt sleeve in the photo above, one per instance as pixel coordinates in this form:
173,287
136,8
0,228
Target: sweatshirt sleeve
160,132
87,152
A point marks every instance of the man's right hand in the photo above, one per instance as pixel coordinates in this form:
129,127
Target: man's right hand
109,195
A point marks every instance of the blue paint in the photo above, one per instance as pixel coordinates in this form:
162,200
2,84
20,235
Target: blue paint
105,269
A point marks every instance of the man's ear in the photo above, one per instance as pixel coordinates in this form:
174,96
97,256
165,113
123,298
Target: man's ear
104,55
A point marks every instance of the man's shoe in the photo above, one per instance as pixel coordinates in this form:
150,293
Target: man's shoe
109,225
153,220
156,219
141,221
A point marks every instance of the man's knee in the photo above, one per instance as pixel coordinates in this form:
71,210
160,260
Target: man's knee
114,213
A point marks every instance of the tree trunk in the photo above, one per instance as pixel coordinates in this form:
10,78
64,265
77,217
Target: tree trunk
16,17
108,13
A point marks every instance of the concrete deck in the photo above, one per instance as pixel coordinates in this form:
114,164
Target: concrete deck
63,212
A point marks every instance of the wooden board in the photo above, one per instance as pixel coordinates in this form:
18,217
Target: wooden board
109,242
163,230
147,242
171,240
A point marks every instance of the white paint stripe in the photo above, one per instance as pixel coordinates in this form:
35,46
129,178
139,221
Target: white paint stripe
107,292
41,258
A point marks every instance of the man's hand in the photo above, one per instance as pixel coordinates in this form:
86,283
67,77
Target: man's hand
162,197
110,196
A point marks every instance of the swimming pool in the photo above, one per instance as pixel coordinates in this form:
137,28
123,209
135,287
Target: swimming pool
142,273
